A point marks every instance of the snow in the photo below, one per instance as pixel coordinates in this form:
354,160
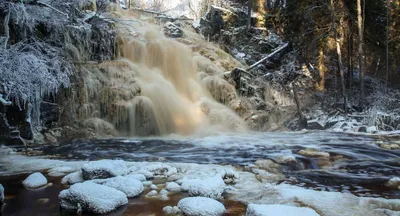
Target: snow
196,24
153,187
372,129
92,198
152,193
281,210
201,206
72,178
131,187
139,177
171,210
1,193
173,187
212,187
163,192
158,170
35,180
104,169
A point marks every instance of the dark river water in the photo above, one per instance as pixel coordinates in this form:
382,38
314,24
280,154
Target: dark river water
356,164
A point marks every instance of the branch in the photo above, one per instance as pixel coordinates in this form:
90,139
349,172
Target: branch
6,28
267,57
51,7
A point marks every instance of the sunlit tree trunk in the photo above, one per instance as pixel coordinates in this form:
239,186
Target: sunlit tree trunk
360,18
350,58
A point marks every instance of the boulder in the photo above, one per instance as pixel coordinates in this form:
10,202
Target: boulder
92,198
281,210
201,206
35,180
268,165
103,169
315,125
131,187
310,152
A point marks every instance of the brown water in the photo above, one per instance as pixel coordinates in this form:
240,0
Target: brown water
23,202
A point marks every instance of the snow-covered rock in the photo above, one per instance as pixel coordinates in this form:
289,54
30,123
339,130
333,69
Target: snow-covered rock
158,170
1,193
173,187
281,210
153,187
131,187
201,206
72,178
152,193
212,187
104,169
35,180
139,177
171,210
163,192
92,197
372,129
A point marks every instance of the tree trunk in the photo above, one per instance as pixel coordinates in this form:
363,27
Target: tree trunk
387,41
360,16
350,59
321,69
249,5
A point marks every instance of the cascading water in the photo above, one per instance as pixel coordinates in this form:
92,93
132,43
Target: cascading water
155,88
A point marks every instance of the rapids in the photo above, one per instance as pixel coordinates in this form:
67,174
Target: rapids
356,163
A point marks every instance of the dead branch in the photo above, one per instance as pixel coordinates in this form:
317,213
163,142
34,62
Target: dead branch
268,56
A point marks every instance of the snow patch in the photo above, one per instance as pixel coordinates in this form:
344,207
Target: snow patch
92,198
35,180
173,187
201,206
281,210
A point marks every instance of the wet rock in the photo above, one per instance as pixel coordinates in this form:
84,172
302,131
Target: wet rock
72,178
362,129
25,130
211,187
272,210
103,169
310,152
201,206
230,176
35,180
171,210
92,198
268,165
315,125
131,187
394,183
390,146
172,30
286,159
173,187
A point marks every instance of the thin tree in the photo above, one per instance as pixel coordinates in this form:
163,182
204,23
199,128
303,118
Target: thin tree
350,57
360,16
249,5
339,54
387,41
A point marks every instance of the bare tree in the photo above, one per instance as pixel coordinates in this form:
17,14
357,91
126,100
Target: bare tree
387,41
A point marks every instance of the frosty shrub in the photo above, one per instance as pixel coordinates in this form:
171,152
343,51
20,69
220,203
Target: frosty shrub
27,70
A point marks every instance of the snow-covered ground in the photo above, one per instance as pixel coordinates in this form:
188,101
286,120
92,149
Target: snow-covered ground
207,180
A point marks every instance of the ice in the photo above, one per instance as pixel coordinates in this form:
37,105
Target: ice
131,187
92,198
35,180
173,187
211,187
72,178
281,210
1,193
104,169
201,206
